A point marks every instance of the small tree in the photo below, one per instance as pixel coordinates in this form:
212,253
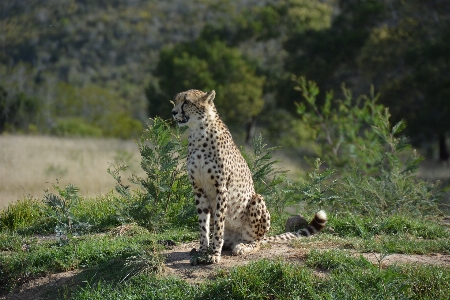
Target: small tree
17,110
208,65
341,128
374,165
164,194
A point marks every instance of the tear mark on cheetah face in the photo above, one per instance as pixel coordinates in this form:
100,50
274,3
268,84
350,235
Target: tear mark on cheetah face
192,105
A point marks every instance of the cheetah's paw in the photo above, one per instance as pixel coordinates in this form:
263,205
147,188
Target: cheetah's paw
202,257
239,249
215,259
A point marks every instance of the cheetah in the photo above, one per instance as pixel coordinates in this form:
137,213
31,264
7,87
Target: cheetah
225,197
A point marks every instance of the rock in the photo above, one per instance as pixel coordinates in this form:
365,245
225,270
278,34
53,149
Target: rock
295,223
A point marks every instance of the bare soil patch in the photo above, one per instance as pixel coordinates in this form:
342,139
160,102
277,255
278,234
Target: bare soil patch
178,259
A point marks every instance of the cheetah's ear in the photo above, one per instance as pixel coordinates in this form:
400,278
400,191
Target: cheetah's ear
210,96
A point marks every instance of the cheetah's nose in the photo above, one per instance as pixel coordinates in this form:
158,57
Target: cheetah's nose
174,112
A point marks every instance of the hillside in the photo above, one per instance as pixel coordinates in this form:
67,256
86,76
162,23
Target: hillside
111,43
54,54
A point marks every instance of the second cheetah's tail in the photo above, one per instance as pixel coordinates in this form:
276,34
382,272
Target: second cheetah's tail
316,225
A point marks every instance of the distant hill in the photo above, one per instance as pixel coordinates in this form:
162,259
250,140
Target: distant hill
110,43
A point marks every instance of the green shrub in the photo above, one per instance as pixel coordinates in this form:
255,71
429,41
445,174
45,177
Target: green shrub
374,166
99,212
341,128
270,181
19,216
60,208
121,125
18,110
164,196
392,188
75,127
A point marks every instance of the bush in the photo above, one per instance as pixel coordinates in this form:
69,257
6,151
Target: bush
341,128
60,208
17,110
374,165
75,127
164,196
393,188
269,181
21,214
121,125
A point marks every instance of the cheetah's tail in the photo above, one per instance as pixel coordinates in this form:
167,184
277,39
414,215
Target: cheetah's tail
316,225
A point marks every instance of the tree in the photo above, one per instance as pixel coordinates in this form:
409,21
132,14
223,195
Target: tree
410,62
265,32
92,107
207,65
327,54
17,110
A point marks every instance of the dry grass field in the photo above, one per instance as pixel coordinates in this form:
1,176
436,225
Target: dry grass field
29,164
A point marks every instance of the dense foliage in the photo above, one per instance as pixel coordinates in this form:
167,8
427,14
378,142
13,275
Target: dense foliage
208,65
58,58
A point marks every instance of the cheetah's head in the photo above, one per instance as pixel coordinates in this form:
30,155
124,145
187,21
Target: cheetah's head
192,106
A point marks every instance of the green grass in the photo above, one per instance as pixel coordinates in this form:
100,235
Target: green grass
382,243
348,278
25,257
127,265
30,216
391,234
360,226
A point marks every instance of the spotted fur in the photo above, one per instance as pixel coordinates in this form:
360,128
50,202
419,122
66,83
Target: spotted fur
227,204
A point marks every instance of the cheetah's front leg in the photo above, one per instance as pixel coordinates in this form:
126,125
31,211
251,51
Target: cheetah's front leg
203,210
219,223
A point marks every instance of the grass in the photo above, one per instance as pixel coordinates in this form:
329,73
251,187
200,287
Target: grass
24,257
347,278
401,243
390,234
29,163
117,259
29,215
117,262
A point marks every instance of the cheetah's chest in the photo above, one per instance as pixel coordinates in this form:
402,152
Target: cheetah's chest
204,167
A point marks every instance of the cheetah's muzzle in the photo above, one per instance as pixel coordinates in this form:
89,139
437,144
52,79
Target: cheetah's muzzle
184,118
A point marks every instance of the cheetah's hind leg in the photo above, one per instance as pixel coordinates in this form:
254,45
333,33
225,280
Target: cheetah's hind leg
259,218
